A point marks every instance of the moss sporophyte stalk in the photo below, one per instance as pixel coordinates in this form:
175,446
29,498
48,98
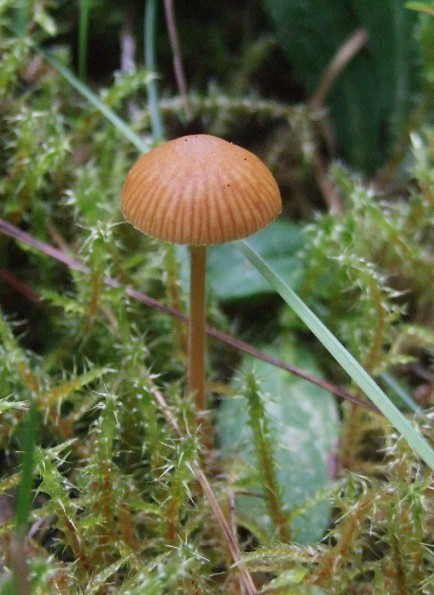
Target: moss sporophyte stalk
199,190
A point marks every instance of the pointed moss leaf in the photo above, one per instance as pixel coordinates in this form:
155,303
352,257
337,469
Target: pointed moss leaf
99,580
302,426
6,405
289,582
279,243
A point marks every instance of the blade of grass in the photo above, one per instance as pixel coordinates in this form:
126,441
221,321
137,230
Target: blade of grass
83,38
108,113
401,393
342,356
149,44
24,504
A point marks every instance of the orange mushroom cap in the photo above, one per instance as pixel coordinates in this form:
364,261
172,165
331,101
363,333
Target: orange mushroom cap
200,190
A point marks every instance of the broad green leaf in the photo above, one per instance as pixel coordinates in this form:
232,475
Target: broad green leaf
303,433
279,243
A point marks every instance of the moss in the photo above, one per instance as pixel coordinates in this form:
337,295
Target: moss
115,499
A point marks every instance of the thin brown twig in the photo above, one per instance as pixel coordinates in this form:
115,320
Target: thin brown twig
329,190
14,232
177,56
228,533
345,54
19,286
232,520
340,60
128,41
19,555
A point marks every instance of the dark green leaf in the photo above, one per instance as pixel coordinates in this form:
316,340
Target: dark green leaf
231,277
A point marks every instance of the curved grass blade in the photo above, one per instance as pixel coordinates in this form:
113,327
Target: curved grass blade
108,113
342,356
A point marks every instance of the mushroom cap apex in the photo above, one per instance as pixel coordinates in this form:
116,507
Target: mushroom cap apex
200,190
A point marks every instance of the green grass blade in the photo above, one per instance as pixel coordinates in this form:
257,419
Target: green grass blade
149,45
401,393
342,356
83,38
108,113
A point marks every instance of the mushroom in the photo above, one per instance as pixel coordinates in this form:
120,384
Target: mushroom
199,190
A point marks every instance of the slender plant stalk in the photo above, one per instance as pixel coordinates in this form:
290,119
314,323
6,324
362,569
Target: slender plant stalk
177,56
196,342
339,62
266,461
83,39
24,504
334,558
149,32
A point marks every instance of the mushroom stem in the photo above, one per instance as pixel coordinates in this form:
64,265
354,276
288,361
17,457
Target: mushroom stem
196,339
